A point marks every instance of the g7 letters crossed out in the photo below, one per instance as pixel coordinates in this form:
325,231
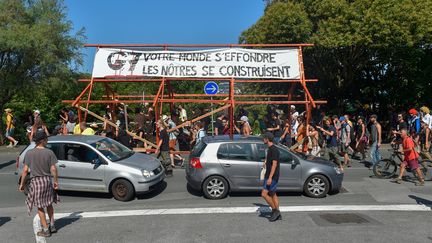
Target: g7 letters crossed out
216,63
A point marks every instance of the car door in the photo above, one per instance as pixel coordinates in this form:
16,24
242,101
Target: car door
57,148
240,164
81,168
290,170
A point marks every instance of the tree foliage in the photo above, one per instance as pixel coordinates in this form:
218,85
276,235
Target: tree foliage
375,52
38,54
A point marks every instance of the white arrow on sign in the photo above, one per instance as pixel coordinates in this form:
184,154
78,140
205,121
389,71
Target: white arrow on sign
212,88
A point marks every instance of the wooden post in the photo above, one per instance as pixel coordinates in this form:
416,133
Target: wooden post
231,109
115,125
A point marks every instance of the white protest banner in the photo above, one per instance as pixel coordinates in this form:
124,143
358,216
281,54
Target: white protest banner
214,63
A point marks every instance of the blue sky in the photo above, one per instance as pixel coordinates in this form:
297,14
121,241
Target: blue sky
161,21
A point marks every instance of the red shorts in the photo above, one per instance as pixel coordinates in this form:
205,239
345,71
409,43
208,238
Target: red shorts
412,164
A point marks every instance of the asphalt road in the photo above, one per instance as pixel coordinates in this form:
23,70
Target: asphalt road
229,224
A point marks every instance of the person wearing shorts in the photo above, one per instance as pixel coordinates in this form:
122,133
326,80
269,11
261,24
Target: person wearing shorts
271,177
410,159
10,128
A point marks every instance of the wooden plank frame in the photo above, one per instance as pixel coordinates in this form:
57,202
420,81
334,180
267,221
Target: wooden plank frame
225,101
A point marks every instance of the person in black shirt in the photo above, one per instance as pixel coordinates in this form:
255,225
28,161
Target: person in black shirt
271,177
219,127
275,127
163,148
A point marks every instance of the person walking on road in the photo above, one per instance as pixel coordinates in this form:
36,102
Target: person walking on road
43,183
345,139
410,159
271,177
376,140
162,150
331,142
10,128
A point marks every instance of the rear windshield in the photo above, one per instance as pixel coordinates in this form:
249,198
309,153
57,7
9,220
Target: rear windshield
198,149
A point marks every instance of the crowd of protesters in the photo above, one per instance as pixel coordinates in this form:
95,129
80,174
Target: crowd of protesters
330,135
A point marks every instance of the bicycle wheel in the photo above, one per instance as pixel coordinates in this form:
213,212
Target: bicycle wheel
385,168
426,167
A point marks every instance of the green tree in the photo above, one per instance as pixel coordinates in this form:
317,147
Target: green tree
38,52
374,52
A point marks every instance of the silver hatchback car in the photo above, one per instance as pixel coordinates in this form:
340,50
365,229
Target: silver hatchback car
219,165
100,164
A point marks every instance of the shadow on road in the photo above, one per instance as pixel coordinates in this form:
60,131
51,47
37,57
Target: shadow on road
421,201
194,192
4,220
84,194
63,222
157,190
263,210
7,164
258,194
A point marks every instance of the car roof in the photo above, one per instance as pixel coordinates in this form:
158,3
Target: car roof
226,138
88,139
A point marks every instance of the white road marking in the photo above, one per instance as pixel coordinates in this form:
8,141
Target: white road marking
225,210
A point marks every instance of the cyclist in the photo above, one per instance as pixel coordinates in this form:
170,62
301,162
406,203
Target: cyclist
410,159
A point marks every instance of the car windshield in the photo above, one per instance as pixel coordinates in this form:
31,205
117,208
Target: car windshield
113,150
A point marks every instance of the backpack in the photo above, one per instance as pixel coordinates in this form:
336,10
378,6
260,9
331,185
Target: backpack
351,135
14,121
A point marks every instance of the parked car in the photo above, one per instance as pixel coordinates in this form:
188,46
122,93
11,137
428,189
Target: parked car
219,165
100,164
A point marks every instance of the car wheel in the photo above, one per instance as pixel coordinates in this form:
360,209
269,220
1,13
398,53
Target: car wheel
316,186
122,190
215,187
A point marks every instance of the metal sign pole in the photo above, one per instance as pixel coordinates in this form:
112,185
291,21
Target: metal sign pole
212,116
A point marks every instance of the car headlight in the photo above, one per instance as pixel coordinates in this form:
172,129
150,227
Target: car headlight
338,170
147,173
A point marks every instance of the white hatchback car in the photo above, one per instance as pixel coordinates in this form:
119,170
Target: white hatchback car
100,164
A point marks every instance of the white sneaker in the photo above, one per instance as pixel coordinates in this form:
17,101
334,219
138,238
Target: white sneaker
15,143
9,146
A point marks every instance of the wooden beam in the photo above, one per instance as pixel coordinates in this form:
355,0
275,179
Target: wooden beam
115,125
199,118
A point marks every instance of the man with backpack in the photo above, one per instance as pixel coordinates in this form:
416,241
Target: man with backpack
345,139
10,128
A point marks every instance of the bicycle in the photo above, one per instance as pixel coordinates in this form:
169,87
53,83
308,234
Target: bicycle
386,168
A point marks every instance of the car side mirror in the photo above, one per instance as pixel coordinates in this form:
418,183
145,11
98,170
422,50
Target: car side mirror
96,161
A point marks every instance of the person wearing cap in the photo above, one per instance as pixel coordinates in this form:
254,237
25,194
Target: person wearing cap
345,139
375,139
245,128
36,115
90,130
43,183
410,159
414,126
271,177
10,128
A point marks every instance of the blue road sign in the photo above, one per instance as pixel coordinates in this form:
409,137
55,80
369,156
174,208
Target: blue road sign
211,88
